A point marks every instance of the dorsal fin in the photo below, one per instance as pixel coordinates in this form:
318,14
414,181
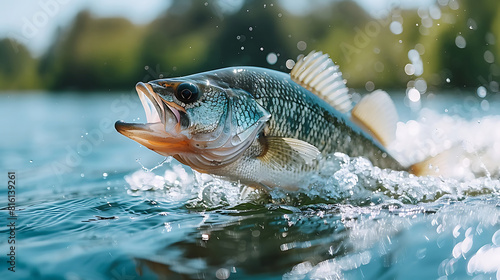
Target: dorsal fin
377,114
317,73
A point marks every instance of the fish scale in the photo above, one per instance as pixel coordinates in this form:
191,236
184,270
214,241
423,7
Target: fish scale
320,124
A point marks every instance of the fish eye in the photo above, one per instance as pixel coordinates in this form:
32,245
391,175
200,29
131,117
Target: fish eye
187,93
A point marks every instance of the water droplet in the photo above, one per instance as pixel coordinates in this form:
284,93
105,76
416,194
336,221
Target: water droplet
222,273
396,27
414,95
456,231
460,42
490,38
290,63
435,12
489,57
453,4
242,48
301,45
369,86
261,49
496,238
105,175
481,92
420,49
255,233
494,86
427,22
409,69
421,85
421,253
448,80
485,105
272,58
206,4
82,175
250,28
443,2
413,55
280,15
31,161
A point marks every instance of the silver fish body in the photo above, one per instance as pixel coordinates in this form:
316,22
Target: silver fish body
298,113
248,124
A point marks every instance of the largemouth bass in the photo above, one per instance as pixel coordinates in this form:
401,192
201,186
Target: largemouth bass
263,127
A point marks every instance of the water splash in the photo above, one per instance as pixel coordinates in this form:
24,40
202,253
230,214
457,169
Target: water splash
356,181
165,160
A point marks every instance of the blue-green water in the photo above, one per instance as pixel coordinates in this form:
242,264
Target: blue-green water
86,209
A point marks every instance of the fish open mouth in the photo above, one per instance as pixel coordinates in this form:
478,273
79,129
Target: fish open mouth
158,110
163,119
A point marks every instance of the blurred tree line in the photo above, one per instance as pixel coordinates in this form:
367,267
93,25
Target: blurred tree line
194,36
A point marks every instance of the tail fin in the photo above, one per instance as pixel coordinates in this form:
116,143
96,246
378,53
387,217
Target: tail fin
443,164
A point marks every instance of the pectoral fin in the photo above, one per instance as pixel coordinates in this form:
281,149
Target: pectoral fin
285,153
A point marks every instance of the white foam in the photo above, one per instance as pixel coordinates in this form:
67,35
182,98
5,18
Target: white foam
433,133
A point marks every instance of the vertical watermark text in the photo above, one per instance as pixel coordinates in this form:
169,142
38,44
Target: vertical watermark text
11,220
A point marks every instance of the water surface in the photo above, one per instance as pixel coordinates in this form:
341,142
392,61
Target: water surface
89,208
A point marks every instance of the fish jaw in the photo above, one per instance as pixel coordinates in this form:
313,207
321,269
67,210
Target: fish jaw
162,132
154,138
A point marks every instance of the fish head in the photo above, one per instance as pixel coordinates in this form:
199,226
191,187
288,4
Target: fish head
199,121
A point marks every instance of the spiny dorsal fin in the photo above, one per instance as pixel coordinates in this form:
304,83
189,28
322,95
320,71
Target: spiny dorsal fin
284,152
377,113
317,73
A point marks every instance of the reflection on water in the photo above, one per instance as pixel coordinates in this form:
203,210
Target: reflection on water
107,217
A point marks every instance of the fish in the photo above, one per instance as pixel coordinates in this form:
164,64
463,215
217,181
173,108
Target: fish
261,127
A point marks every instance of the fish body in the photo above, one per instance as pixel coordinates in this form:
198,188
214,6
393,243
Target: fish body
248,124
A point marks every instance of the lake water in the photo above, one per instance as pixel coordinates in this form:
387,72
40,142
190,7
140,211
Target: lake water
87,209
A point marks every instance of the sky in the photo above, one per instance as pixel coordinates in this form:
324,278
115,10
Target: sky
35,23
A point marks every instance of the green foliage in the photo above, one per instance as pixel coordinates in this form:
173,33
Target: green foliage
190,37
94,54
17,67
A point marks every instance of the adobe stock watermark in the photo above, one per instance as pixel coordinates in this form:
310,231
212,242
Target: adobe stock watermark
122,107
363,36
32,25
